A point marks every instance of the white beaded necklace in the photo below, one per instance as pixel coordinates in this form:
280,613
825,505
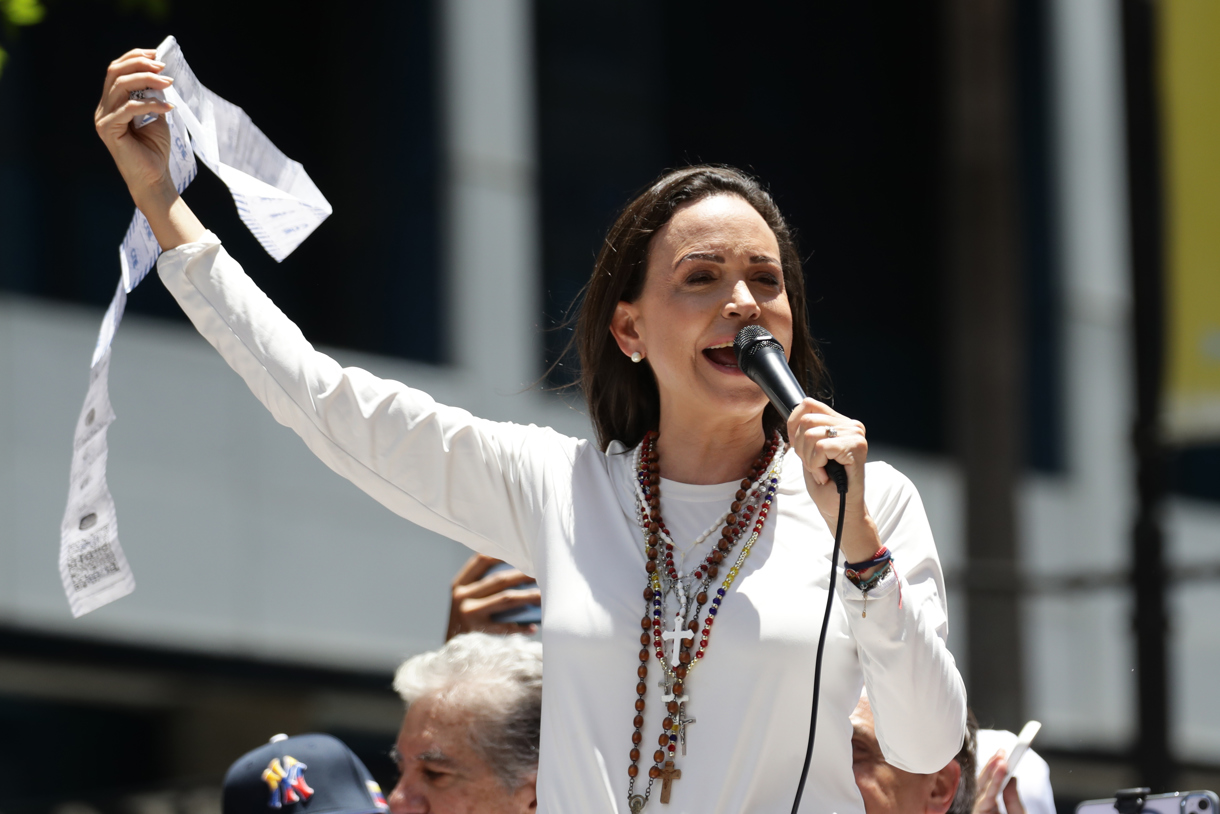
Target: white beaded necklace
682,586
753,498
690,593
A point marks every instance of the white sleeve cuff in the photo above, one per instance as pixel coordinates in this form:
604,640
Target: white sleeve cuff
208,238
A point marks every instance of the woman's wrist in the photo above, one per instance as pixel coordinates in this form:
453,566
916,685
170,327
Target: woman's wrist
150,197
172,221
860,540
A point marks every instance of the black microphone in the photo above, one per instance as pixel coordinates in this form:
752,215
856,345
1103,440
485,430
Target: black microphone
761,357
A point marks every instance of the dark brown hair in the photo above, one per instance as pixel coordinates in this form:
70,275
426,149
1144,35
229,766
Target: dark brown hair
967,758
622,396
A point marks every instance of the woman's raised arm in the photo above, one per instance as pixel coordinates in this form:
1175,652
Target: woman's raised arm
142,155
479,482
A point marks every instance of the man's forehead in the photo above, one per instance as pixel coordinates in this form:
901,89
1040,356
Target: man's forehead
434,754
435,730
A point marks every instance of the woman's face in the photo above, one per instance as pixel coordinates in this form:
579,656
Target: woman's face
713,269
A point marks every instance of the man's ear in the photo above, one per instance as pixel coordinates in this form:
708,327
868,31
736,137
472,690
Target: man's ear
944,787
526,796
625,329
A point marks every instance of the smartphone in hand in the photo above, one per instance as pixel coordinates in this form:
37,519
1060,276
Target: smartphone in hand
524,615
1024,739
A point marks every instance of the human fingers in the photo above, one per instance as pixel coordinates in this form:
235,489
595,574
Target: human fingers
127,64
508,629
502,601
813,413
141,55
1012,801
114,125
818,437
473,569
995,770
123,86
468,613
118,87
151,53
985,777
847,447
810,404
497,582
988,785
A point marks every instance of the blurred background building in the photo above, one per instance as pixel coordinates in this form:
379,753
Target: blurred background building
1008,210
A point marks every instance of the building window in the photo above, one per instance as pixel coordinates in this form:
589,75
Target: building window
355,103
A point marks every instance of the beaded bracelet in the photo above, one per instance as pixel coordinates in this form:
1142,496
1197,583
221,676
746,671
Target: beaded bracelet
880,558
878,575
883,558
853,570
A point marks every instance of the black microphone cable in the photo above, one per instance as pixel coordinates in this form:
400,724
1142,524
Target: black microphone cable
761,358
839,475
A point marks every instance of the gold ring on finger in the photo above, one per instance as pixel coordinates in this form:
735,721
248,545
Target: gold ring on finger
831,432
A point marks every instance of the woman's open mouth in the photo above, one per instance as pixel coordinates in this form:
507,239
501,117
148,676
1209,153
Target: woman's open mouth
723,357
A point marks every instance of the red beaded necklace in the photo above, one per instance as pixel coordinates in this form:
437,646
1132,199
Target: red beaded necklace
755,494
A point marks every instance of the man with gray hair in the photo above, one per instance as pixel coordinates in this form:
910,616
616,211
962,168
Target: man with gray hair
469,739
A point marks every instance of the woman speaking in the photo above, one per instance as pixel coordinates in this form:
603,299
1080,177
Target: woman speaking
685,558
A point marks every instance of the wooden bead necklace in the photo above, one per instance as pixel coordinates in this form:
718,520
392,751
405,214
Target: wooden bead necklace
755,494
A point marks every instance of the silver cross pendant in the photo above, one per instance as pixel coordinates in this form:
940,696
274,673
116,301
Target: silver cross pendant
683,722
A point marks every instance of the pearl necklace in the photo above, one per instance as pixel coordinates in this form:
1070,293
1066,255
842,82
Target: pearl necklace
642,501
666,580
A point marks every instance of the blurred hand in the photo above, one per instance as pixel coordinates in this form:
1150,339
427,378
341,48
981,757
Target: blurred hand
475,598
142,155
989,789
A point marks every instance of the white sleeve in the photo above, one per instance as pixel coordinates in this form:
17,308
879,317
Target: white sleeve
482,483
916,692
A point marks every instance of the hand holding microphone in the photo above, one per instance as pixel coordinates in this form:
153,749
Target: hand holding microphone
814,431
761,357
819,435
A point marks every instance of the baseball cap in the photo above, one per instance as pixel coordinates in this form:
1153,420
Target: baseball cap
304,774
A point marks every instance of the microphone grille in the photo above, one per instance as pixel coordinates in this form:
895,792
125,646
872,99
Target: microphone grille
748,341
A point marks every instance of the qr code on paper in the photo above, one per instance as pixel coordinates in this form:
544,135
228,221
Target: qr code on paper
91,560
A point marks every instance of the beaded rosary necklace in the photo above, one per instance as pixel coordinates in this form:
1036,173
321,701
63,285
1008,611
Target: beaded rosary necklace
689,592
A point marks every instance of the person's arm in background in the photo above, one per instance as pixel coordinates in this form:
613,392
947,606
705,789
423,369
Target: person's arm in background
1033,775
482,483
476,596
988,799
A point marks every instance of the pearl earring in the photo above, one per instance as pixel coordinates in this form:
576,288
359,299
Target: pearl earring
637,357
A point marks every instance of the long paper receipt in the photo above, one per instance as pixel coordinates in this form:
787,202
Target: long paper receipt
281,206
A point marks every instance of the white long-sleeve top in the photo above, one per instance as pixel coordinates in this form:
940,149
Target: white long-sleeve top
562,510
